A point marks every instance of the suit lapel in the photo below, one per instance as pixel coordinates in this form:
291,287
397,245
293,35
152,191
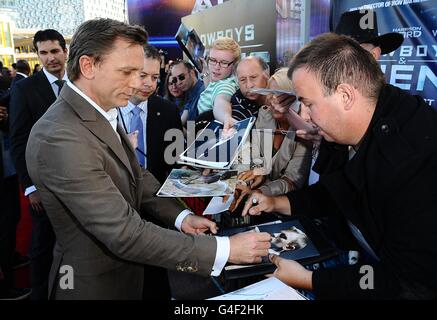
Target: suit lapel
134,165
155,118
98,125
130,152
151,123
44,88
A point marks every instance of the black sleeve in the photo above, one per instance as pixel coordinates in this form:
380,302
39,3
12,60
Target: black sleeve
339,282
406,240
172,115
313,201
20,121
373,281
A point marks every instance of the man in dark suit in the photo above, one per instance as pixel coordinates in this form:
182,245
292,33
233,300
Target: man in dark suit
93,188
5,81
157,116
30,99
22,71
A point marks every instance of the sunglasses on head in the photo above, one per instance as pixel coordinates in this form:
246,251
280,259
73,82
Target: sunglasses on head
174,80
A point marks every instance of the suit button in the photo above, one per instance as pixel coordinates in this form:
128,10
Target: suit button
385,128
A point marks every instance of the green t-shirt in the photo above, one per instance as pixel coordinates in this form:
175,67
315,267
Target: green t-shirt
226,86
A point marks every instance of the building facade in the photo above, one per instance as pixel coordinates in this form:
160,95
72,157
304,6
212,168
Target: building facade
6,40
66,15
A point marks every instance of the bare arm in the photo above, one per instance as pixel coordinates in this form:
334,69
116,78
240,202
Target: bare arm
292,273
223,110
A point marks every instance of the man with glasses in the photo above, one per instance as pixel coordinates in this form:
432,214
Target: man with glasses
184,76
222,85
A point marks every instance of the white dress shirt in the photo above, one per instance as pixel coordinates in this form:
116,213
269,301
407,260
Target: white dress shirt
52,80
223,243
22,74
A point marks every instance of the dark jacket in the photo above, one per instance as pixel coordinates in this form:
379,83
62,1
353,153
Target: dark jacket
162,116
388,191
30,99
6,97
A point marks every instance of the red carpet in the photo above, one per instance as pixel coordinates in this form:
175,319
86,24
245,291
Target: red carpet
24,234
24,229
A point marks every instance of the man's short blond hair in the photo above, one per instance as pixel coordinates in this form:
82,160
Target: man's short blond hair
228,44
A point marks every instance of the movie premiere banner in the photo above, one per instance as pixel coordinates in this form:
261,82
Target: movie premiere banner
161,19
252,23
288,25
413,66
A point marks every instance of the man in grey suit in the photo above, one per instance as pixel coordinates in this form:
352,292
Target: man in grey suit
93,188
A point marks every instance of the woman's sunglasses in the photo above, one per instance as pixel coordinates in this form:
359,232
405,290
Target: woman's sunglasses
174,80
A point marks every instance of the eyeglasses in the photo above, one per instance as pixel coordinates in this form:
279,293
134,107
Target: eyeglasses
213,62
180,77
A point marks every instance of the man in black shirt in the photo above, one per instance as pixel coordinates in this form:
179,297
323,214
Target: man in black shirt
384,144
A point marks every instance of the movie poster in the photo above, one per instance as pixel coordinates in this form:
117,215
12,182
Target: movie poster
413,66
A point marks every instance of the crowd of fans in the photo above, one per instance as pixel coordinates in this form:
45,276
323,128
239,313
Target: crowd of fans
173,95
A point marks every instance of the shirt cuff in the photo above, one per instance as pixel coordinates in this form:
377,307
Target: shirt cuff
180,218
222,255
29,190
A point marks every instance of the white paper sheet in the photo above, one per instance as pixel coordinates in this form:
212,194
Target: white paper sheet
216,205
268,289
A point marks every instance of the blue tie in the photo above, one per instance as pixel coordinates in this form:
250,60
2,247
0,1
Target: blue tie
137,124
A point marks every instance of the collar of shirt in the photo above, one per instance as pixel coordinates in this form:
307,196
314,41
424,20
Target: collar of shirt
52,78
111,115
22,74
125,111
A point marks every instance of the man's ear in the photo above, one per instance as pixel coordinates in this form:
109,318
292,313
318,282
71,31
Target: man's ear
346,92
87,67
376,52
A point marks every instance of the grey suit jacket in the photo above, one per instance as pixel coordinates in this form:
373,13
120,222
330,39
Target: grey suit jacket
93,190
